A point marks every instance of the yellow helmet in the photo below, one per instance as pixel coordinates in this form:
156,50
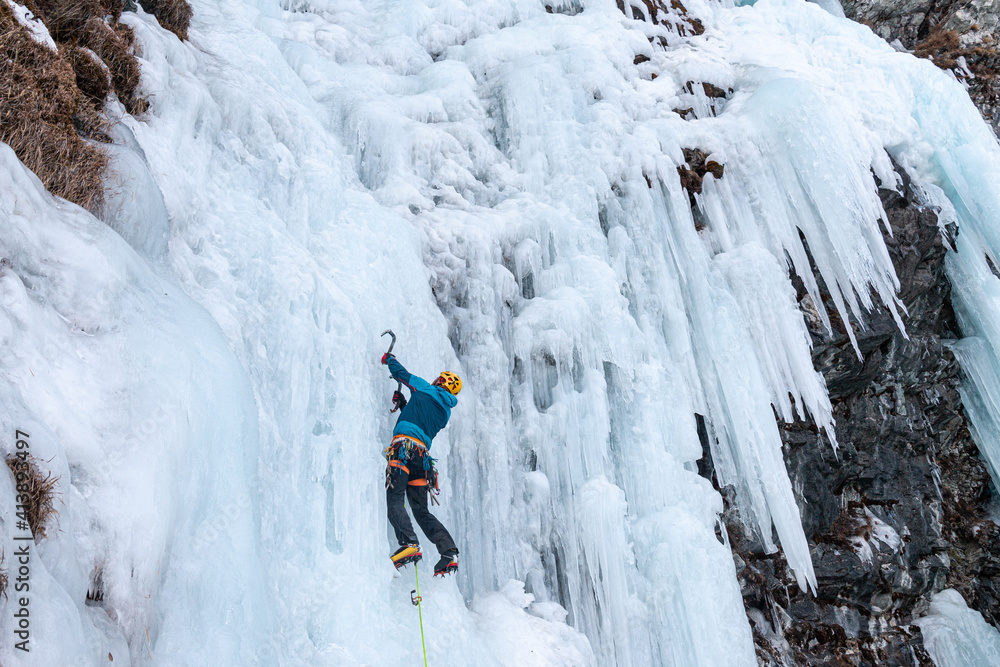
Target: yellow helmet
451,382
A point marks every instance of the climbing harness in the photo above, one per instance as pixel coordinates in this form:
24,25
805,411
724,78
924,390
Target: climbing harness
420,610
403,450
399,452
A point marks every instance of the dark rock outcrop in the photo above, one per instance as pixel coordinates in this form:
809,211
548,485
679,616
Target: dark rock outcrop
696,166
898,512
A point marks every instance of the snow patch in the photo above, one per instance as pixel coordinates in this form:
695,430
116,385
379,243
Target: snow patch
34,24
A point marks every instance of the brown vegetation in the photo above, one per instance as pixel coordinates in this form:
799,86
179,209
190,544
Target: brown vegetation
944,48
52,99
94,25
41,117
851,523
35,490
174,15
92,76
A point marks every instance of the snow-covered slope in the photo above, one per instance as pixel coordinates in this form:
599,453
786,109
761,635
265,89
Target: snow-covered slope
497,183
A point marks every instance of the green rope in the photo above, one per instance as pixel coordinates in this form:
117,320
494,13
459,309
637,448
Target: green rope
420,611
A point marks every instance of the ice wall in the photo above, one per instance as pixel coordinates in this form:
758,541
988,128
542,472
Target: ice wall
131,396
956,636
498,184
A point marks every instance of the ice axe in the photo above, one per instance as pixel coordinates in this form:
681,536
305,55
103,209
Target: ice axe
393,343
397,398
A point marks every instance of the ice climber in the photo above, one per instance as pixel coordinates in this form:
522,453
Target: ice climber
410,470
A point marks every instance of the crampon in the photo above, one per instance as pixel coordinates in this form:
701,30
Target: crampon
447,565
406,554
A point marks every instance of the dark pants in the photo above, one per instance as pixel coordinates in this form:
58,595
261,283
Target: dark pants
417,497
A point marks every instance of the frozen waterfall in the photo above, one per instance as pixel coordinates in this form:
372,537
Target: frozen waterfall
497,181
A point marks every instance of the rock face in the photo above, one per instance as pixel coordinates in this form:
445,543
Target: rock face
899,510
959,36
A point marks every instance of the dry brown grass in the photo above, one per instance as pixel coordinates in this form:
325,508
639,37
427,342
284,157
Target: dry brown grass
40,115
944,48
941,46
38,488
174,15
116,48
92,77
51,101
81,23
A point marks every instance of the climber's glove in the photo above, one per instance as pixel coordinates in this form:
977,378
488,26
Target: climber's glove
398,400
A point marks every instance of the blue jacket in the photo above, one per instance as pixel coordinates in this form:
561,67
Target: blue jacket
428,409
